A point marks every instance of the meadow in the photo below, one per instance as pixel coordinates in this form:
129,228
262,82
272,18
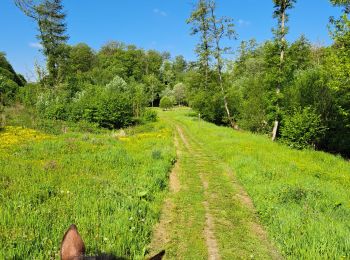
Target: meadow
301,197
112,187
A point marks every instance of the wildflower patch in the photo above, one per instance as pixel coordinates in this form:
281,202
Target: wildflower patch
12,135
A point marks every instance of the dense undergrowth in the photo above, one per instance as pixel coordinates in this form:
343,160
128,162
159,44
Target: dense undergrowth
110,186
302,197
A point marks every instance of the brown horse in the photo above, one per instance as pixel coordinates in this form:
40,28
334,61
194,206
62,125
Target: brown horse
73,248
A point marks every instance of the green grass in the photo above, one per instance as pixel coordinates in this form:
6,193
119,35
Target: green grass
208,191
111,188
302,197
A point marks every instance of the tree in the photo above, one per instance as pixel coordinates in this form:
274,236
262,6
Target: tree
52,32
221,28
7,71
153,62
167,73
139,98
152,87
179,65
82,58
337,65
281,7
180,93
166,103
200,25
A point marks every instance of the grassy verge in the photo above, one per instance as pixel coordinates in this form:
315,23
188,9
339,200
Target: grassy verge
302,197
111,187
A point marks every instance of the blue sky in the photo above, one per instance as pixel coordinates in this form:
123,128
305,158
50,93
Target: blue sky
154,24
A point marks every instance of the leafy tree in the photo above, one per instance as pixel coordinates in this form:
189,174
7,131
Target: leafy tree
167,73
139,98
179,66
281,7
166,103
52,32
8,89
82,58
221,28
152,86
10,81
200,25
180,93
7,71
152,62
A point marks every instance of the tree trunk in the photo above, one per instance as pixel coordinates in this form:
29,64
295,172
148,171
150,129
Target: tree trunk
274,131
230,119
219,68
278,89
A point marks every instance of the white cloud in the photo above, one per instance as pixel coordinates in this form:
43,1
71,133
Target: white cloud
159,12
36,45
243,23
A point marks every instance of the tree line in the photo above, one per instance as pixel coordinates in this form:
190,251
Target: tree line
295,92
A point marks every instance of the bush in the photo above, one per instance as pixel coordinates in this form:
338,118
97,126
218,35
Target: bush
109,106
53,106
8,90
166,103
149,116
28,95
303,130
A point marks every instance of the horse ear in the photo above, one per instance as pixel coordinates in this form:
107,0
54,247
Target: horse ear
159,256
72,245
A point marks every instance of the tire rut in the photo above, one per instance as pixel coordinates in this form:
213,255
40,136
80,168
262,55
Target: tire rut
211,241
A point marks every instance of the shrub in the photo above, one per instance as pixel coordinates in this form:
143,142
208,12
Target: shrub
303,129
109,106
8,89
149,116
52,106
28,95
166,103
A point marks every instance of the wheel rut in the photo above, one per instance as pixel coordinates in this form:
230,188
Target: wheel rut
199,219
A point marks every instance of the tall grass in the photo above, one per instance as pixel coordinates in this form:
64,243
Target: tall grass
111,188
302,197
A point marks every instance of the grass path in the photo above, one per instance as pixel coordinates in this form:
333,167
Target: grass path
207,215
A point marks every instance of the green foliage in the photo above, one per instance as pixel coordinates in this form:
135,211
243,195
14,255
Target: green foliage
109,106
180,93
10,82
2,117
82,58
8,72
166,103
303,129
280,12
8,90
149,116
51,22
29,94
50,18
